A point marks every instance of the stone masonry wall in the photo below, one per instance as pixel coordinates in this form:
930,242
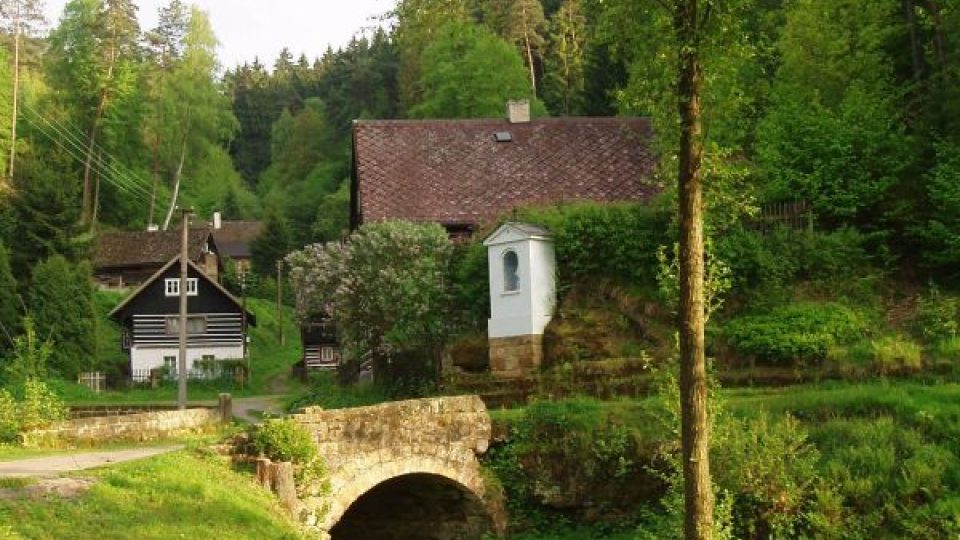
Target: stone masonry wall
135,427
515,356
366,446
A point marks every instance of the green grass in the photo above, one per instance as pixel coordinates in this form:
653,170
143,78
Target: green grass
179,495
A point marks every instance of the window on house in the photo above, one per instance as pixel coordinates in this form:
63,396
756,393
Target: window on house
511,269
209,358
171,286
170,362
195,325
326,354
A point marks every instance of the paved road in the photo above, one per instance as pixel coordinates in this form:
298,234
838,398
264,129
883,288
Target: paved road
54,465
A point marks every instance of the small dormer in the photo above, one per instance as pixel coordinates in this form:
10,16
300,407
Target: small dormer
522,295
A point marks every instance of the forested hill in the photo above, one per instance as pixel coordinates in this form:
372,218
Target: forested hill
852,106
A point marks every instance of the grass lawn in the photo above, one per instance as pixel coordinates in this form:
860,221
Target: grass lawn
174,496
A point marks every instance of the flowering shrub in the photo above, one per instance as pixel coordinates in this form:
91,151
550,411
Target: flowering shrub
386,287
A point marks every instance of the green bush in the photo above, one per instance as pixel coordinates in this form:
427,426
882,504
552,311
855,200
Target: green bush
614,241
799,332
762,264
40,406
937,317
9,418
285,440
574,454
887,355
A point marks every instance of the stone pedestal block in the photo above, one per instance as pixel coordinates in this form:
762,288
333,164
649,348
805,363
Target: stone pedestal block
515,356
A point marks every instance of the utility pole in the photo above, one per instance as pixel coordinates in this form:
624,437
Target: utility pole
184,267
280,336
243,318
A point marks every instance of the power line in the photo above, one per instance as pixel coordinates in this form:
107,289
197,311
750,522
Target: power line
76,134
119,181
79,144
131,190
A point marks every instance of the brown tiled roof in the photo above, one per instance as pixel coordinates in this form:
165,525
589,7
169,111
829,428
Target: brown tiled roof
145,248
455,172
234,237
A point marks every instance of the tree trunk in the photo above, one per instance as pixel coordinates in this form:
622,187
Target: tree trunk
915,53
176,185
526,42
695,430
96,196
92,141
16,94
156,182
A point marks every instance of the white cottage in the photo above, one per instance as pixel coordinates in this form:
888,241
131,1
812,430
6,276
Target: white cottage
522,296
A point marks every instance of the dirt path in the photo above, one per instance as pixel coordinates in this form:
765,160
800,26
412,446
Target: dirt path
54,465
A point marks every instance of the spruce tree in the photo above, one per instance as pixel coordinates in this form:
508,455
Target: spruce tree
62,305
9,304
272,245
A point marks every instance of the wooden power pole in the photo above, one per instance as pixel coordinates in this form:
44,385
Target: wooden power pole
16,89
184,268
280,336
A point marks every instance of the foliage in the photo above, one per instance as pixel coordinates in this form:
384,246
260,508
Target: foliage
46,212
939,233
40,406
385,286
271,246
284,440
28,358
9,301
9,417
593,241
887,355
61,303
798,333
716,280
470,73
937,316
767,266
324,391
573,454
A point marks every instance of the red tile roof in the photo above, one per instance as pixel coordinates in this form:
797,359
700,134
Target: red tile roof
455,172
146,248
235,237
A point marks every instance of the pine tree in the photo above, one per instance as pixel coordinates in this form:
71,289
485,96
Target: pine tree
273,244
46,210
62,306
564,79
9,303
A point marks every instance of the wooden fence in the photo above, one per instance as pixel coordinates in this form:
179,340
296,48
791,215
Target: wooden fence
94,380
792,214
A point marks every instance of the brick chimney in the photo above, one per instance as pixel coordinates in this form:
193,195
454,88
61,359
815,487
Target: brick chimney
518,112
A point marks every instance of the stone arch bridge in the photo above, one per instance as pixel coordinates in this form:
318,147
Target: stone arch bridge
405,470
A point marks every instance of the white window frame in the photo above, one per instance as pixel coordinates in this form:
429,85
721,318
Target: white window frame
171,286
327,354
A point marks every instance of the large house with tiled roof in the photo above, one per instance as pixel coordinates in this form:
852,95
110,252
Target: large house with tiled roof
128,258
464,173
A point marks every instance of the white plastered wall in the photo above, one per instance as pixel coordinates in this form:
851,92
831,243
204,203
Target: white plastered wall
528,310
149,358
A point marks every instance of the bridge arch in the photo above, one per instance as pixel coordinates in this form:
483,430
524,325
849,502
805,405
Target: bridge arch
391,460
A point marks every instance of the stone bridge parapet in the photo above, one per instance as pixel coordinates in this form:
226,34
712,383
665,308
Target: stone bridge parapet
364,447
